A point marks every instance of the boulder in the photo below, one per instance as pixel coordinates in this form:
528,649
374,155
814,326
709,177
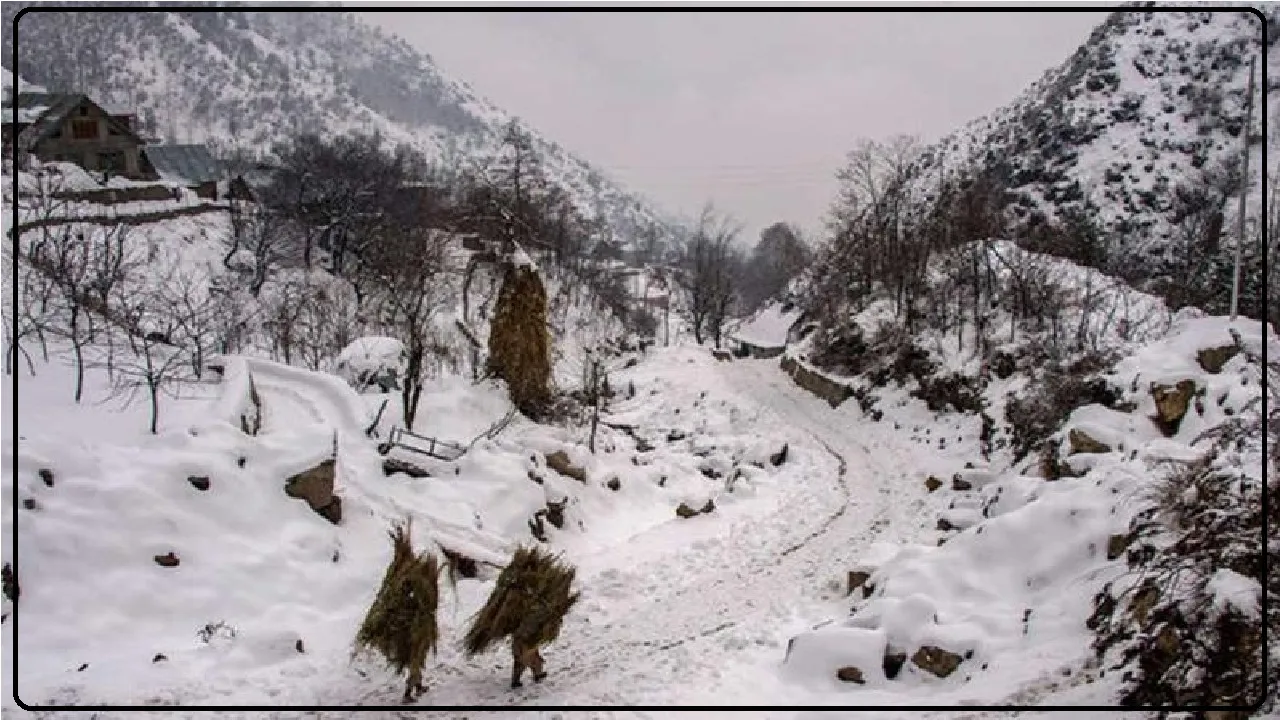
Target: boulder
614,484
686,512
857,579
47,476
958,483
709,507
199,482
1212,359
1117,544
936,660
1081,442
555,512
1171,404
333,511
851,674
559,461
314,485
894,659
944,524
932,483
167,560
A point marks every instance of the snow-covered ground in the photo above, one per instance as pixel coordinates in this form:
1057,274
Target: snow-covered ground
674,611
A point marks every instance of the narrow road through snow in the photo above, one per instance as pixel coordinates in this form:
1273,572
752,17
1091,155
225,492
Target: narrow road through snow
676,616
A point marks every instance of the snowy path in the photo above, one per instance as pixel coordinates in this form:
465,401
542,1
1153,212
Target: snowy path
681,610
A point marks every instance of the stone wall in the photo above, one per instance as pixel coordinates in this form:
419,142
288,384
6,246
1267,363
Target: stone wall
825,388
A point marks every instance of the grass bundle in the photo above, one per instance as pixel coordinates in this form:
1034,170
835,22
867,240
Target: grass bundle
401,622
528,603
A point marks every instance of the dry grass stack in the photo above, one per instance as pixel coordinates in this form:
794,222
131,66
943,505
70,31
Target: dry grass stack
528,603
519,342
401,622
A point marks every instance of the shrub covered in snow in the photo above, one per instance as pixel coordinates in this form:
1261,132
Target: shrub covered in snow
370,362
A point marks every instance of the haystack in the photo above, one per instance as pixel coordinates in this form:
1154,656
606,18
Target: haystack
401,623
519,342
528,603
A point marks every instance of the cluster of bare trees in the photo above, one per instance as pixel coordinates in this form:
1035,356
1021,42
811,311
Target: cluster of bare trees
96,294
928,247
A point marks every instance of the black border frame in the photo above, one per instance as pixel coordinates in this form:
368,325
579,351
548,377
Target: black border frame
545,6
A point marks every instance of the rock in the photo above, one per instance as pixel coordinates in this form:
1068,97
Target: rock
936,660
851,674
159,657
894,659
945,524
535,477
643,445
857,579
559,461
779,457
333,511
167,560
684,511
614,484
1081,442
314,485
240,461
199,482
1212,359
1117,544
675,435
709,507
1143,602
958,483
47,476
710,473
29,503
555,512
932,483
1171,404
299,646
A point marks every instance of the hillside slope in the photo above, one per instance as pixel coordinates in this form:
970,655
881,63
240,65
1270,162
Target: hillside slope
247,79
1150,102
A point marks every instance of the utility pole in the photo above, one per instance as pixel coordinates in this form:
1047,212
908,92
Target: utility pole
1244,191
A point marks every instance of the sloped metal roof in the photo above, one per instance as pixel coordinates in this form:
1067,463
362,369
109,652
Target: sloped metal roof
184,163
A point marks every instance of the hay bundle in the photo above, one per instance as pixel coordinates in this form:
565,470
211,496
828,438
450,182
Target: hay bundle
519,342
529,603
401,622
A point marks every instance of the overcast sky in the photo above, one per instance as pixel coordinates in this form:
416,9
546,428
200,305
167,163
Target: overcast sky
753,111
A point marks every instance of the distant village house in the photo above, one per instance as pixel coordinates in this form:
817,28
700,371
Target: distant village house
69,127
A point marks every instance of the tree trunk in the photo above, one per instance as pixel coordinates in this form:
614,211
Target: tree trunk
79,369
152,386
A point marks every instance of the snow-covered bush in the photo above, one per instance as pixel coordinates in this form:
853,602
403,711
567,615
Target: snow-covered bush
370,362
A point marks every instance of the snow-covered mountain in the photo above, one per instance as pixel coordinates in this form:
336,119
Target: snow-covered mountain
247,79
1149,101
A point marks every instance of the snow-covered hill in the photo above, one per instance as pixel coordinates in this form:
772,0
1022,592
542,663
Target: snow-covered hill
1148,102
247,79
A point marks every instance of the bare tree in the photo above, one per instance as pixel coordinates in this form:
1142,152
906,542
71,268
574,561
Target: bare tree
708,266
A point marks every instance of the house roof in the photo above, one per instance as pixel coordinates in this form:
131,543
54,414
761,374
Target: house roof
46,111
184,163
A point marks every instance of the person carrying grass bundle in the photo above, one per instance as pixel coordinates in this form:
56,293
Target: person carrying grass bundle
528,604
401,622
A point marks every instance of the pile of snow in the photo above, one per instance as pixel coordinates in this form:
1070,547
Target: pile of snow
1010,593
372,361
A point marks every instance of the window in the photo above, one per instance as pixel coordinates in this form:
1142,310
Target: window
84,129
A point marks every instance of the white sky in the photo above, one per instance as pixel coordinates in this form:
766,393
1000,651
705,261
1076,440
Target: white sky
753,111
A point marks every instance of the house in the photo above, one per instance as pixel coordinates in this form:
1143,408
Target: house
69,127
190,165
